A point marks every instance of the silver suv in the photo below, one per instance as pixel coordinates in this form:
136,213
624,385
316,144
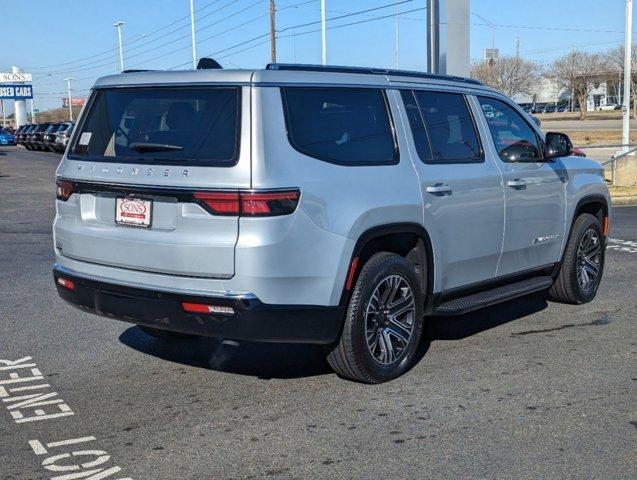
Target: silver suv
328,205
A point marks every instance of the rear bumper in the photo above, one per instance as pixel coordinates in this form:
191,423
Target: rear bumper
252,320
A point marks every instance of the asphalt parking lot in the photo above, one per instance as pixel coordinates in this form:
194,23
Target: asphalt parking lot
527,389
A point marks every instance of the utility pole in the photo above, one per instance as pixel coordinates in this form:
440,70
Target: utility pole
192,33
323,34
397,38
517,47
628,44
272,31
119,26
433,36
68,89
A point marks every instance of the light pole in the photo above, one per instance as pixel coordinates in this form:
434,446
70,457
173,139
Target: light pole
323,35
433,36
272,31
68,89
628,44
119,26
192,33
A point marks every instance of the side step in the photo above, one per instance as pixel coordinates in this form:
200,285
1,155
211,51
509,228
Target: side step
458,306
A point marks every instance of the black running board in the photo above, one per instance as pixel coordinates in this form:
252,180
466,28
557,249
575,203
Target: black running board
458,306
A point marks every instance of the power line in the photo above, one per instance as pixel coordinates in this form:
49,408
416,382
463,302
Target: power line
134,40
302,33
101,62
361,12
571,46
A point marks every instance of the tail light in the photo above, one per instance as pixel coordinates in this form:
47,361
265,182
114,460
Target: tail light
66,283
65,189
249,203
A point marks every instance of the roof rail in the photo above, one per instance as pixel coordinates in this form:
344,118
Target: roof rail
135,70
368,71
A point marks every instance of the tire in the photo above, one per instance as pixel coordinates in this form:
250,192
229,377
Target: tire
353,357
165,335
570,287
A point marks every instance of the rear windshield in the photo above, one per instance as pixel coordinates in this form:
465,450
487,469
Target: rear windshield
163,125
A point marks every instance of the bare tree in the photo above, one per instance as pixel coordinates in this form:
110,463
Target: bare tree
616,65
579,72
510,75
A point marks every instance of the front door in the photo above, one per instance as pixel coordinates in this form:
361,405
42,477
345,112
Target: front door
534,190
461,189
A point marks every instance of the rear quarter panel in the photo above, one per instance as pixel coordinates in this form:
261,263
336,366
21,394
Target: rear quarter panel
341,202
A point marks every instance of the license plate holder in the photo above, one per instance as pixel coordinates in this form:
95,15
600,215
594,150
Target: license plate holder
133,212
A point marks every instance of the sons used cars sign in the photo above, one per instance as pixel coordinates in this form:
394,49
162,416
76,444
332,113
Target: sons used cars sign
9,77
16,92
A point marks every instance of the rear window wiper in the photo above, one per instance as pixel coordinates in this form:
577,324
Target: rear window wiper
142,147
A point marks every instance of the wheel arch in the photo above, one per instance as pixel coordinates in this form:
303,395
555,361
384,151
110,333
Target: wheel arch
596,205
410,240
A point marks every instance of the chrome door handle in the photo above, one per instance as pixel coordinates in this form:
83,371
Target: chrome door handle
517,183
439,189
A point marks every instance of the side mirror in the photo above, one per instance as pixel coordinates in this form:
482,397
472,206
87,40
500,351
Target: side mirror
557,145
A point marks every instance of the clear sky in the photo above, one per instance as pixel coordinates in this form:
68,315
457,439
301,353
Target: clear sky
76,38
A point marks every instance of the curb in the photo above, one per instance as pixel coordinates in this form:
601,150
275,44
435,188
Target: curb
624,201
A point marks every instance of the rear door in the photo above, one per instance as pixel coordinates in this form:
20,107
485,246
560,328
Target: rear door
137,173
462,191
534,189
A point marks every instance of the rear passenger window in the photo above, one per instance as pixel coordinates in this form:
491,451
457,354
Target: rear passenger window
347,126
513,137
444,131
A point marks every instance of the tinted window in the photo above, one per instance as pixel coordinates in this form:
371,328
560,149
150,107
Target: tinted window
348,126
449,127
513,137
196,126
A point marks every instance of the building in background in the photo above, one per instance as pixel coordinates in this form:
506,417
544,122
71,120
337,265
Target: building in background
605,93
75,101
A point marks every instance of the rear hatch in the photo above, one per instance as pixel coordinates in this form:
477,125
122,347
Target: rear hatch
131,186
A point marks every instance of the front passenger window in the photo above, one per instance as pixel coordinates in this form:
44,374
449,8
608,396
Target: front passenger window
513,137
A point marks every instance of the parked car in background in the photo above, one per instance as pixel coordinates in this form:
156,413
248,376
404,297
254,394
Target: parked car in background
6,138
35,136
563,108
17,134
578,152
49,136
43,139
62,137
24,135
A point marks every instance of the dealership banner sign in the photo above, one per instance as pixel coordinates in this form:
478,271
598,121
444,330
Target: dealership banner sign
8,77
16,92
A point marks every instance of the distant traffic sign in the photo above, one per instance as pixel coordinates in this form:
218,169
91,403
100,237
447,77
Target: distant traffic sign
16,92
8,77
